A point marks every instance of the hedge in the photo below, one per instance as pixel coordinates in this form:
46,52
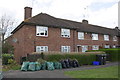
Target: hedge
6,57
113,53
84,58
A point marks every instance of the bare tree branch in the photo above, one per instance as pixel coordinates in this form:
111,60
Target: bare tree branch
5,23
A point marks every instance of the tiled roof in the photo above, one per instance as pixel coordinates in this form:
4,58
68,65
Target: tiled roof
50,21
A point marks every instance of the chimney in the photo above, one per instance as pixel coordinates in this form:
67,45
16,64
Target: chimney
27,12
85,21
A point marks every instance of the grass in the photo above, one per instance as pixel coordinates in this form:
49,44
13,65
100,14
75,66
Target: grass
11,67
107,72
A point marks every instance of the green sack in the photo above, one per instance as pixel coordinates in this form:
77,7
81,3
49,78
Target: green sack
57,65
31,66
25,66
37,66
50,66
43,66
60,66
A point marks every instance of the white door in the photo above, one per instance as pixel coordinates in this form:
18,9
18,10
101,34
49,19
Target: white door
84,48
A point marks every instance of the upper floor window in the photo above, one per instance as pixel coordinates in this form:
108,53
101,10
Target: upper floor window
80,35
94,36
41,48
41,31
95,47
65,33
65,48
114,38
106,37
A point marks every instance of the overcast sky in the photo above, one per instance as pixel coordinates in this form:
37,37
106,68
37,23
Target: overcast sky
97,12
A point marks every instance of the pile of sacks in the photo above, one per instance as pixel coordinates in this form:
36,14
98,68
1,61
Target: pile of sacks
36,66
68,63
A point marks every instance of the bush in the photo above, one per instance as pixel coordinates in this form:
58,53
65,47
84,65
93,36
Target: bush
7,48
113,53
41,61
6,57
82,58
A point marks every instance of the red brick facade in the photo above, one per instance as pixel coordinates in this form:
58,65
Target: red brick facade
24,37
27,41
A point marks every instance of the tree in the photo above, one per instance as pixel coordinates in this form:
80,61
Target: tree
5,23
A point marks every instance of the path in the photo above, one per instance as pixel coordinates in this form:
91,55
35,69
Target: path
49,74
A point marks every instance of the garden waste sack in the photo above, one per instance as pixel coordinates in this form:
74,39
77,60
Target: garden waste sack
50,66
57,65
25,66
43,66
37,66
31,66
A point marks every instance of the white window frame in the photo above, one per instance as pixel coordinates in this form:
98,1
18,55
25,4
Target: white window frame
42,49
95,47
84,48
65,33
107,46
65,49
41,31
106,37
114,38
81,35
114,46
94,36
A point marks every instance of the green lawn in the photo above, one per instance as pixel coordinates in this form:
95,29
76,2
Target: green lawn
107,72
11,67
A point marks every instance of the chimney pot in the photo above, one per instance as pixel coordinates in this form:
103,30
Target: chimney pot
85,21
27,13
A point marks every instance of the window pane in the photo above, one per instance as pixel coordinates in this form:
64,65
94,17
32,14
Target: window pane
65,32
114,38
80,35
94,36
41,48
41,31
106,37
107,46
95,47
65,48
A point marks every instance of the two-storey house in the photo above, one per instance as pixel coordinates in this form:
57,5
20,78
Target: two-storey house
47,33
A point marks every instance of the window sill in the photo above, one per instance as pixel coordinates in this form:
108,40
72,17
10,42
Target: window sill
81,39
95,40
65,37
106,40
42,36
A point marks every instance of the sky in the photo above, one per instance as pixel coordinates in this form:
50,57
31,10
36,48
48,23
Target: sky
98,12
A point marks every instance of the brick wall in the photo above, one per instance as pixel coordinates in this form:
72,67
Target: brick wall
27,40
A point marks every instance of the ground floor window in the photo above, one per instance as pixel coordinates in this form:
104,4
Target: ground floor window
65,48
84,48
114,46
95,47
107,46
41,48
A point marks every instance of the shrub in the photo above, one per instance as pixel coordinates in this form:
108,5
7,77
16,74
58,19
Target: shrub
11,61
7,48
82,58
41,61
6,57
113,53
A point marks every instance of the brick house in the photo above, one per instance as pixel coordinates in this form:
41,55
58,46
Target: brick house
47,33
